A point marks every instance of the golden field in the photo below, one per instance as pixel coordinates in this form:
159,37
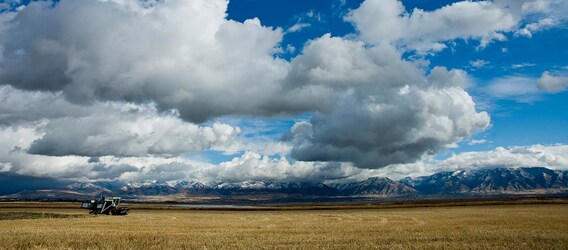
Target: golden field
532,226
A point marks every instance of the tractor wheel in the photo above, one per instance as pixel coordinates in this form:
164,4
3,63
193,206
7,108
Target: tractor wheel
123,211
112,211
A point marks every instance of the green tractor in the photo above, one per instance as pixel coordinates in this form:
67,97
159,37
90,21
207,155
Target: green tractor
108,206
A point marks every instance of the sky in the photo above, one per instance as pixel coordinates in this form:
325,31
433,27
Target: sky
303,91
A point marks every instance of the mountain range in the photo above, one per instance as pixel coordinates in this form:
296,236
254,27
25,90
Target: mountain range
467,183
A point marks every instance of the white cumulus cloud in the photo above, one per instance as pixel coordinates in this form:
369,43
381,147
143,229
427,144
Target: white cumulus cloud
389,113
427,31
551,83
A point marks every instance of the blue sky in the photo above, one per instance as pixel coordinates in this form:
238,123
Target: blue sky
281,90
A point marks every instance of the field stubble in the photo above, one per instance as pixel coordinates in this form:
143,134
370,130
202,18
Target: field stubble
506,227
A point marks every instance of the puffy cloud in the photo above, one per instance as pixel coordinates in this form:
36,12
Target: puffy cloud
426,31
549,156
390,113
554,156
129,135
376,134
13,156
253,166
119,129
478,63
15,159
337,63
178,54
542,24
552,84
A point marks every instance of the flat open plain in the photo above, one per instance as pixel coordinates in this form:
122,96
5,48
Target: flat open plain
534,226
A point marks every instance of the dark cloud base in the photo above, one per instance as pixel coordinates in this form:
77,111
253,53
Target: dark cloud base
13,183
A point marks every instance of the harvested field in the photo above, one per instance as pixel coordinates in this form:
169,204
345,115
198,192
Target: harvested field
29,216
496,227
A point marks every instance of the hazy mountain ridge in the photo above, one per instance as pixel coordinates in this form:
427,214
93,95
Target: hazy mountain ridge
489,181
462,182
376,186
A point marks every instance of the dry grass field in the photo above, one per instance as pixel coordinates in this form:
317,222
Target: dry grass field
542,226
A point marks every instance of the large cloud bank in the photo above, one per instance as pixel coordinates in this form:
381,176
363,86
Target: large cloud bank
90,85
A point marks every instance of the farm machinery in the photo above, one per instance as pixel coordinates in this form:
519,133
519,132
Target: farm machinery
108,206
